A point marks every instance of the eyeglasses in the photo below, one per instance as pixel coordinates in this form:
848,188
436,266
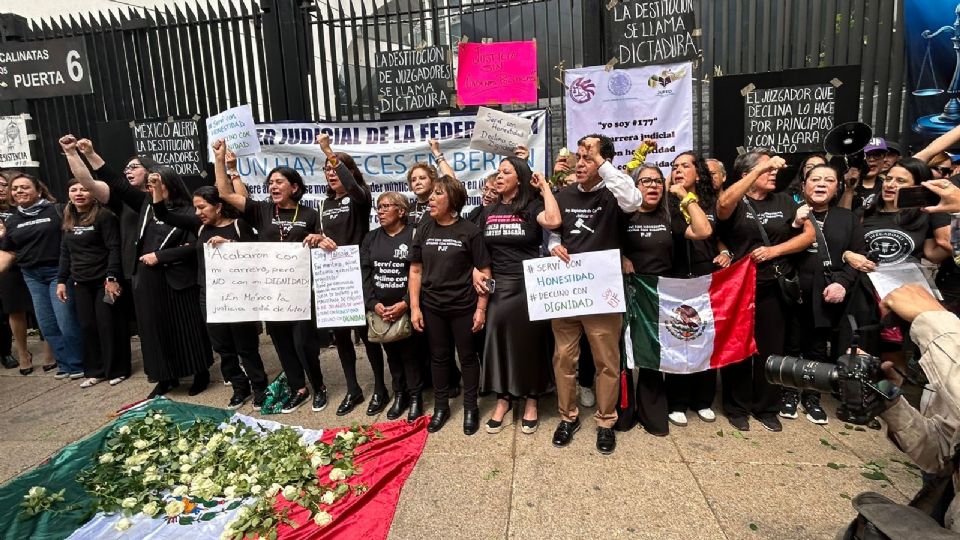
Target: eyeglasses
386,206
133,167
328,168
649,181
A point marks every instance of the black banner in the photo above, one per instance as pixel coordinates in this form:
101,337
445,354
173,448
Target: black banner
789,120
175,143
41,69
640,32
413,80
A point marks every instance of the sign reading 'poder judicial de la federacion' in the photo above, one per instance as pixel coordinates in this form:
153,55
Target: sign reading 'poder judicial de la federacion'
42,69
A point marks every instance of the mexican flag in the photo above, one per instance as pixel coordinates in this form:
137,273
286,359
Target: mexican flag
690,325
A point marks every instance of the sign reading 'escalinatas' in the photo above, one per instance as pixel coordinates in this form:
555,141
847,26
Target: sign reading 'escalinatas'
41,69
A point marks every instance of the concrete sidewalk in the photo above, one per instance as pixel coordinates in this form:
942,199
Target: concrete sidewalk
703,481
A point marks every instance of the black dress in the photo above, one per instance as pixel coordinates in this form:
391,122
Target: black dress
14,295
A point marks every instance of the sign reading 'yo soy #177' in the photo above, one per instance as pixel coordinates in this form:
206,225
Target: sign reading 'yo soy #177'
42,69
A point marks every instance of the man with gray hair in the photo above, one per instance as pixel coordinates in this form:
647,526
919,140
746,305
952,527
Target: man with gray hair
717,172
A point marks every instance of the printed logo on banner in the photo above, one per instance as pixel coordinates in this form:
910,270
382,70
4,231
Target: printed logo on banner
582,90
686,324
664,79
620,83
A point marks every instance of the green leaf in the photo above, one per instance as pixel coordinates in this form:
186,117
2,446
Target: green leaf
836,466
185,520
234,505
875,475
208,516
846,496
753,527
720,433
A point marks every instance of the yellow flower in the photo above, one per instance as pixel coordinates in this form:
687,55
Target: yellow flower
174,508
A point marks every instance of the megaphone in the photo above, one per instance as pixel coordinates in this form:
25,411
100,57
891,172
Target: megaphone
847,139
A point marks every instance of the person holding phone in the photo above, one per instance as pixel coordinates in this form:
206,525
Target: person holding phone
90,263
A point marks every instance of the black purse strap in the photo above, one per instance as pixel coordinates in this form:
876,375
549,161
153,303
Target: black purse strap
756,217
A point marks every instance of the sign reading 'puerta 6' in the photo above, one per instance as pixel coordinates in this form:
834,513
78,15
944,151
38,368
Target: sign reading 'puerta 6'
41,69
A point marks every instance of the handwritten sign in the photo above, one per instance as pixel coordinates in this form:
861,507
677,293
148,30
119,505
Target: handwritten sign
15,143
338,287
589,284
257,281
888,277
499,132
492,73
175,143
789,120
413,80
236,127
641,32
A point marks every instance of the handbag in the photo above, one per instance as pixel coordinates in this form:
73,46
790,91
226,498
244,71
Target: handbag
789,281
381,331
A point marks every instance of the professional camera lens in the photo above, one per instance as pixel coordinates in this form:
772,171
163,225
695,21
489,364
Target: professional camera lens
801,374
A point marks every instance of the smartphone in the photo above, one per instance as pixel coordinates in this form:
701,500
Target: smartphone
108,298
916,197
491,285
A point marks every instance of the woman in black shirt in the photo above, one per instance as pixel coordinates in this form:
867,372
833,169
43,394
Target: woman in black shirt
90,263
282,218
743,208
443,301
215,223
15,297
384,261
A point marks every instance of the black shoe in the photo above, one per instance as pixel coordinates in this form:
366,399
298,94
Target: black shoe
400,403
416,407
378,402
162,388
770,423
296,401
564,433
529,427
320,399
9,362
606,440
454,391
349,402
439,418
238,399
740,423
201,380
494,427
259,396
471,421
26,372
874,424
815,413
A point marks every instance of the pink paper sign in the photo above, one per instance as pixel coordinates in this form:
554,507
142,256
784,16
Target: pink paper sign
497,73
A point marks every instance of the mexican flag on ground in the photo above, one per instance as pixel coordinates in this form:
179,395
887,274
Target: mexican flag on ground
361,506
690,325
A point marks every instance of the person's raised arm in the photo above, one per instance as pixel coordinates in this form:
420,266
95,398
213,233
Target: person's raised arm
550,218
354,189
224,185
698,227
442,163
181,220
730,197
234,174
85,146
99,189
940,144
619,183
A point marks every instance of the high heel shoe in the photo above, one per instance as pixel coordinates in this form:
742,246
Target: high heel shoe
162,388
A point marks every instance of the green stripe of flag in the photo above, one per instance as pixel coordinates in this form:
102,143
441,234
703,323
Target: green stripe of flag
643,316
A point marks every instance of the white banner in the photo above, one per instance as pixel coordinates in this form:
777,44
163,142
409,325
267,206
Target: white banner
338,287
589,284
384,152
629,105
257,281
15,143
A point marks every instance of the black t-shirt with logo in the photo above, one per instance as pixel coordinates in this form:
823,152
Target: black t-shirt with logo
648,242
898,236
385,264
692,257
280,225
346,220
865,197
511,237
591,219
91,252
742,235
35,239
448,255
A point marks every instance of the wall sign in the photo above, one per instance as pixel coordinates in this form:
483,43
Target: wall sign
641,32
413,80
174,143
42,69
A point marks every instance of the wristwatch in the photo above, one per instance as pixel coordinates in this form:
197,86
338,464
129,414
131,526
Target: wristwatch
111,279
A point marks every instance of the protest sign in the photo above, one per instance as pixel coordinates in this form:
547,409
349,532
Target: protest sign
413,80
629,105
257,281
789,120
930,41
497,73
338,287
175,143
15,143
46,68
384,152
499,133
641,32
236,127
589,284
888,277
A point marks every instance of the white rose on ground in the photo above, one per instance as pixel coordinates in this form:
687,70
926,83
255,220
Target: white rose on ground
129,502
290,493
174,508
122,525
230,429
182,445
124,430
322,518
106,458
140,444
37,491
273,490
151,508
180,491
185,467
337,474
328,498
230,492
316,460
256,489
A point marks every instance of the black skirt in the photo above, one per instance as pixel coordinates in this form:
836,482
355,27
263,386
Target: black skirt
14,295
173,335
516,351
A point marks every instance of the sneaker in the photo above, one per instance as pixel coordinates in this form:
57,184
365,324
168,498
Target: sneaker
677,418
61,375
707,415
76,376
740,423
238,399
320,400
296,401
815,413
117,380
587,397
259,396
788,405
771,423
227,383
90,382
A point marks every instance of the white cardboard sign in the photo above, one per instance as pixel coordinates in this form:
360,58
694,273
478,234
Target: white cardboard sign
589,284
499,132
338,287
237,128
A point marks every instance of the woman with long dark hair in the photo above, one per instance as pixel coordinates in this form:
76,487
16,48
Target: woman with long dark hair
795,189
90,263
517,358
216,223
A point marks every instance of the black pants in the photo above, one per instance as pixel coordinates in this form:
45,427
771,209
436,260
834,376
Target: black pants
236,343
652,401
445,333
6,335
693,391
586,371
106,337
421,355
745,387
348,359
405,372
807,341
297,348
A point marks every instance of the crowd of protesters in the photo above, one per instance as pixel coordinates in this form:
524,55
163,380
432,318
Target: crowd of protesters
132,242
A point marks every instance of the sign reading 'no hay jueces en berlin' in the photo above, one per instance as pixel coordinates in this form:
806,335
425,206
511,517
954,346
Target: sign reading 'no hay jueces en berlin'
641,32
497,73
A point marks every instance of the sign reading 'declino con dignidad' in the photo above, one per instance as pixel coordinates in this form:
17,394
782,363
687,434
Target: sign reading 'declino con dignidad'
41,69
